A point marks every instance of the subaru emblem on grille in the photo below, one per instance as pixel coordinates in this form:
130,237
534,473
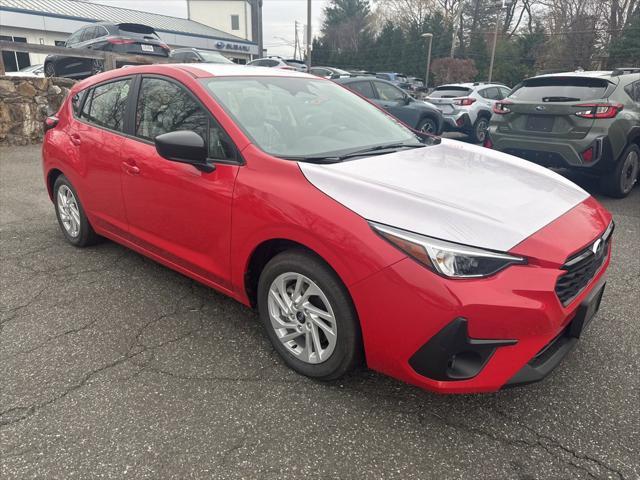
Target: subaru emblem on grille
540,108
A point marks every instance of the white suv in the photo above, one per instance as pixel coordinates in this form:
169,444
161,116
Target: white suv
466,107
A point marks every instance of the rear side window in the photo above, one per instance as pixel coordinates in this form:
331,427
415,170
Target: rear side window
450,92
560,89
363,88
633,90
491,93
106,103
166,107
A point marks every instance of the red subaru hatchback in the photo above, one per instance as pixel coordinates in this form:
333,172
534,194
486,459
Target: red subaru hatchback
449,266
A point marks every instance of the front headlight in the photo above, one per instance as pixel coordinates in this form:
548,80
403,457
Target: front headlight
446,258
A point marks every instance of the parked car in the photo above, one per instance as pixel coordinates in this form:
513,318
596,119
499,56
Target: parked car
278,62
124,38
30,71
444,264
417,114
398,79
329,72
584,121
197,55
466,107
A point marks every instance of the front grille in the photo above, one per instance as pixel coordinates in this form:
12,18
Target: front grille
582,267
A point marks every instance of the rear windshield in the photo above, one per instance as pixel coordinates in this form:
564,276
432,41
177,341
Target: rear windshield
450,92
560,89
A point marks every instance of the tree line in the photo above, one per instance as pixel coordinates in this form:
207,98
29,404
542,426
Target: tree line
533,37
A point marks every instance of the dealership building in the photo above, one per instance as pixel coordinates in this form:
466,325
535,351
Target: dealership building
231,27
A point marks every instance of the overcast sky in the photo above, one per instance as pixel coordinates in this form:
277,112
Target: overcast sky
278,17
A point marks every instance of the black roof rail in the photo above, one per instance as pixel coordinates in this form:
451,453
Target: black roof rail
624,70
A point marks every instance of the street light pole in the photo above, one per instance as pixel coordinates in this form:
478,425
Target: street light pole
426,77
495,39
308,34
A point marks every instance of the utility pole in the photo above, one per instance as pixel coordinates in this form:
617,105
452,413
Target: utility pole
426,77
456,24
495,41
295,46
308,34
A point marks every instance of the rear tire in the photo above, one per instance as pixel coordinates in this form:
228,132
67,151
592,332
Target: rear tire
479,131
621,180
73,221
290,328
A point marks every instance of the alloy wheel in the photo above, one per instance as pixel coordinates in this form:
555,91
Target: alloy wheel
428,127
68,211
630,171
302,317
97,66
49,70
481,130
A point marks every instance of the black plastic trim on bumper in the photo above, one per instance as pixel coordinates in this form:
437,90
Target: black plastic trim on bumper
551,355
450,355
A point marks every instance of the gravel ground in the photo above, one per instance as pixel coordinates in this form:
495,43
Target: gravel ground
113,366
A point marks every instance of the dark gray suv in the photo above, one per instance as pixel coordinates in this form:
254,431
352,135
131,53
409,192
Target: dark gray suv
585,121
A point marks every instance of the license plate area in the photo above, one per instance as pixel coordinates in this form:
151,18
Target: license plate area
540,123
586,311
146,48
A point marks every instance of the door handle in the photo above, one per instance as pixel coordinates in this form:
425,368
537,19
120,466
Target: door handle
130,167
75,139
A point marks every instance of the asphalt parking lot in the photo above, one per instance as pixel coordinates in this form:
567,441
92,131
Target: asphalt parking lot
112,366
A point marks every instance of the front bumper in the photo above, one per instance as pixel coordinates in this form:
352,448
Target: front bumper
496,329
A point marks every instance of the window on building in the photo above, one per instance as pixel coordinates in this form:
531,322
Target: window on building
14,61
59,43
235,22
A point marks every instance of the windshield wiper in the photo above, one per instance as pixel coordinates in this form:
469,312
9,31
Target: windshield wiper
377,150
560,99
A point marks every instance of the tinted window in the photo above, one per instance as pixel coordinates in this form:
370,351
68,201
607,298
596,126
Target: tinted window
490,93
450,92
166,107
88,34
389,92
107,105
75,37
137,31
363,88
633,90
76,101
504,92
559,89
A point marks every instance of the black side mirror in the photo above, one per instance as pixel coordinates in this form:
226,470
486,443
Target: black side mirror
184,146
407,99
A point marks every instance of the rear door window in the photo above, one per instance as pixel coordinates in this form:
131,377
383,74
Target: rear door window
363,88
106,105
633,90
450,92
560,89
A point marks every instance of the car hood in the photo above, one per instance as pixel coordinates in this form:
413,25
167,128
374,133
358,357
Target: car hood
453,191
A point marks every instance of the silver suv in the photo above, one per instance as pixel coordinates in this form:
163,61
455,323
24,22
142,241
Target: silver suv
466,107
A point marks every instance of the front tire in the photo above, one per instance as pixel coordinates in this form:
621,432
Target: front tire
308,316
49,70
73,221
428,125
620,181
479,131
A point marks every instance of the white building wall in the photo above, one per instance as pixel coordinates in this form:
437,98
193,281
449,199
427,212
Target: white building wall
217,14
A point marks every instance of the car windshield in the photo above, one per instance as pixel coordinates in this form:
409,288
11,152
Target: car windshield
213,57
303,117
450,92
559,89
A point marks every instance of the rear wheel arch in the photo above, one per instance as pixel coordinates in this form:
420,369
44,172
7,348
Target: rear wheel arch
484,114
634,136
52,176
